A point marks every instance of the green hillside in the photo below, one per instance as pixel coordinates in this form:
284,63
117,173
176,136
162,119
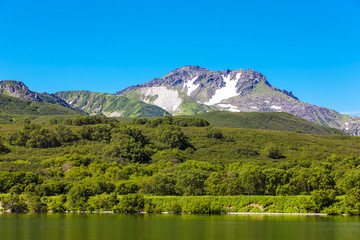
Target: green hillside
109,105
12,109
266,120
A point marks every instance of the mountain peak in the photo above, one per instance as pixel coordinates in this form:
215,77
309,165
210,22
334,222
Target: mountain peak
191,67
13,85
189,79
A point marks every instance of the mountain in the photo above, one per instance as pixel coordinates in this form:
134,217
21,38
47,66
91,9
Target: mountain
109,105
192,89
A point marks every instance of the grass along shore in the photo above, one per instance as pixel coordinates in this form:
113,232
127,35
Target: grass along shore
135,203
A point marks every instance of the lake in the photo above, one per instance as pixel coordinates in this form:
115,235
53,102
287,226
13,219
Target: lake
169,226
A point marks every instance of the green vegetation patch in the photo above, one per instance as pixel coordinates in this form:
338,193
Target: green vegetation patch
15,108
268,120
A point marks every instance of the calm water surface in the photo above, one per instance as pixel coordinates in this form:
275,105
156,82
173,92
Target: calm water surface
162,226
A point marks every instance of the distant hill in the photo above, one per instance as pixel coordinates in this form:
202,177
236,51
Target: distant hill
12,109
109,105
268,120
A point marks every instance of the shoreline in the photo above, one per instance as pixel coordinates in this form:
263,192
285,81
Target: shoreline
184,213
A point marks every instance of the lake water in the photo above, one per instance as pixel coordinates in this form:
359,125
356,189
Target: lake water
169,226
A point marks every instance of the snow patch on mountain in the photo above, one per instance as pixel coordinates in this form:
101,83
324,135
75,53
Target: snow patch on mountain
175,107
276,107
226,92
113,114
190,86
167,99
229,107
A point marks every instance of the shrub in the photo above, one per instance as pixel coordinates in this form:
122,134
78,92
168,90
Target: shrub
64,134
171,137
323,198
273,152
3,149
42,139
35,204
214,133
57,204
131,203
14,203
352,201
77,197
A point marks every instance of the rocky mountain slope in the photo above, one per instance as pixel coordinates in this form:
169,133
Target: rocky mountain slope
109,104
192,87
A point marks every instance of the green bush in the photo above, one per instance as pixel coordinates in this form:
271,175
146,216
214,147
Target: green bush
273,152
352,201
57,204
214,133
131,203
14,203
169,136
323,198
3,149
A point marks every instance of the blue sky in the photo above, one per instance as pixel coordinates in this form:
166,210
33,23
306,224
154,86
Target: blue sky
309,47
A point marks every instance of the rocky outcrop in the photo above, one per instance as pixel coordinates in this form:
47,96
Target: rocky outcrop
18,89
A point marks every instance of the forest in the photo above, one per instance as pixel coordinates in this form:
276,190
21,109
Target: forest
174,164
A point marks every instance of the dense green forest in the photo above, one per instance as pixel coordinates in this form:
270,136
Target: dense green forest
174,164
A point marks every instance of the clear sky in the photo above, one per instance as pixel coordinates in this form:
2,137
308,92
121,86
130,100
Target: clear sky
309,47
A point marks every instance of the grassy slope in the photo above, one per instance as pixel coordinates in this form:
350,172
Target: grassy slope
105,103
245,142
14,109
191,107
269,120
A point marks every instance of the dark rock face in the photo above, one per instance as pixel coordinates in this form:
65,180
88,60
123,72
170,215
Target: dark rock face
253,94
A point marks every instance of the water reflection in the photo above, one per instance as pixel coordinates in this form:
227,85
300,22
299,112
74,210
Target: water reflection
159,227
